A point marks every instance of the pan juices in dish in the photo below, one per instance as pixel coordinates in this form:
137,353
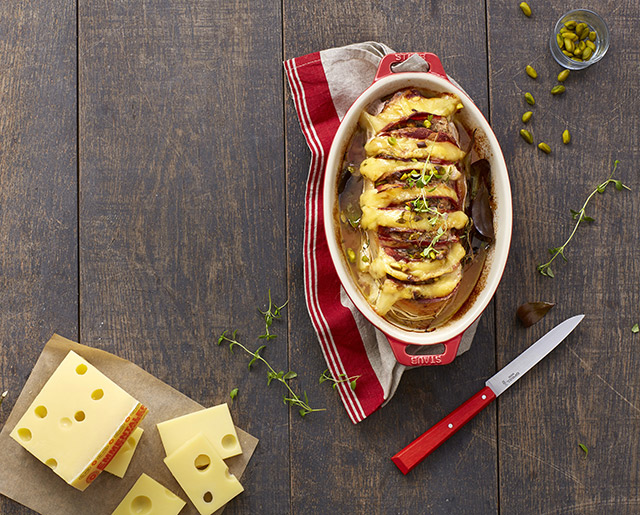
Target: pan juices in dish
405,206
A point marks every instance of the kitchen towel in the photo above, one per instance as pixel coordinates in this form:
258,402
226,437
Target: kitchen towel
323,86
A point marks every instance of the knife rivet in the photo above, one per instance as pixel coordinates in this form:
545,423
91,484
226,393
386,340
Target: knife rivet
450,426
484,397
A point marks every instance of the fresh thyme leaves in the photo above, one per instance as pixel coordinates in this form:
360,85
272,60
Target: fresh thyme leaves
580,216
634,329
584,448
272,313
290,398
233,393
342,378
2,396
430,251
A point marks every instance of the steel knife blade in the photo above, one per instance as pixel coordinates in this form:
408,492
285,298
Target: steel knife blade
429,441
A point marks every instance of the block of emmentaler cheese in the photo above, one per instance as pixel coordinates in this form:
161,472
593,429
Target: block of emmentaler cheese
78,422
120,463
214,423
149,497
203,475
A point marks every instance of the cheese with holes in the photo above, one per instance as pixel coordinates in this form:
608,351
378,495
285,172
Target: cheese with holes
203,475
149,497
214,423
120,463
78,422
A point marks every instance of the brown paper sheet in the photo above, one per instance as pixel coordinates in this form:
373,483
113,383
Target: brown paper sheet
26,480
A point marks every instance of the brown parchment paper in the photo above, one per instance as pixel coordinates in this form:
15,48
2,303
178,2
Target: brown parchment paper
26,480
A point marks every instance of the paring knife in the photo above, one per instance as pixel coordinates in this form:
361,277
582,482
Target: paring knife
425,444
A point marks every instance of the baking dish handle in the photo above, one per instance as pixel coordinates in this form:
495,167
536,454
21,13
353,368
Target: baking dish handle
384,68
419,360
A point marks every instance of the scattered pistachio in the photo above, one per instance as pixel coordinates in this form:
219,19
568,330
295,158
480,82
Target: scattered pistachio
635,329
557,90
563,75
526,135
392,140
527,116
544,147
525,9
351,255
531,72
529,98
566,137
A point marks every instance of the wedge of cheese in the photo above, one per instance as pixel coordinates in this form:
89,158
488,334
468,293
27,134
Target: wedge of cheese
78,422
203,475
149,497
214,423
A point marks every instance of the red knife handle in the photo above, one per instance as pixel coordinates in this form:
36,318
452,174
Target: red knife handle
428,442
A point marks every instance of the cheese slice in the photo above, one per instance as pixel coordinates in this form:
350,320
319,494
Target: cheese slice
149,497
214,423
203,475
407,148
78,422
120,463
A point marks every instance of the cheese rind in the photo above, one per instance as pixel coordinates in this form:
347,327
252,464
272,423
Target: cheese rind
214,423
78,422
120,463
203,475
150,497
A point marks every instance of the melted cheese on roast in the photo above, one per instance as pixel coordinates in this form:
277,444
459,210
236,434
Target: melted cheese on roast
374,168
407,105
401,218
407,148
392,291
400,195
419,271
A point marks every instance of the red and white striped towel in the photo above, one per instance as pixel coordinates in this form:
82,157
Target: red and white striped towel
323,86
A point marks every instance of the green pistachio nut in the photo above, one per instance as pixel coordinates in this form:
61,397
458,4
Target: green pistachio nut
558,90
566,137
526,135
527,116
563,75
529,98
531,72
544,147
525,9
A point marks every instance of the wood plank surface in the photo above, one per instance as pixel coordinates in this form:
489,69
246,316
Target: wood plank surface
152,192
38,200
182,204
588,390
337,467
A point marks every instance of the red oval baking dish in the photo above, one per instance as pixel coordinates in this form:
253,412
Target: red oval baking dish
450,333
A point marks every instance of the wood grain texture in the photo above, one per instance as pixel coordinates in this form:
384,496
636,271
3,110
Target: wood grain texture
588,390
182,202
335,466
38,202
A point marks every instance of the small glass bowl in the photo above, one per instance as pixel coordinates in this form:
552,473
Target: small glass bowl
596,24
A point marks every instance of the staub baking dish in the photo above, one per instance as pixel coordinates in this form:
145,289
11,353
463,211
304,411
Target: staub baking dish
447,335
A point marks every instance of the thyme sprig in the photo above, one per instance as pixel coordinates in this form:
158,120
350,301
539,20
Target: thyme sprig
290,398
342,378
580,216
272,313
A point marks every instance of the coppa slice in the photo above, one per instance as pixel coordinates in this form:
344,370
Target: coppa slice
214,423
120,463
78,421
148,496
203,475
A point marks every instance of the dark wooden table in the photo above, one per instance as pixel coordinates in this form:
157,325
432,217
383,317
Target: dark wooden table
152,175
